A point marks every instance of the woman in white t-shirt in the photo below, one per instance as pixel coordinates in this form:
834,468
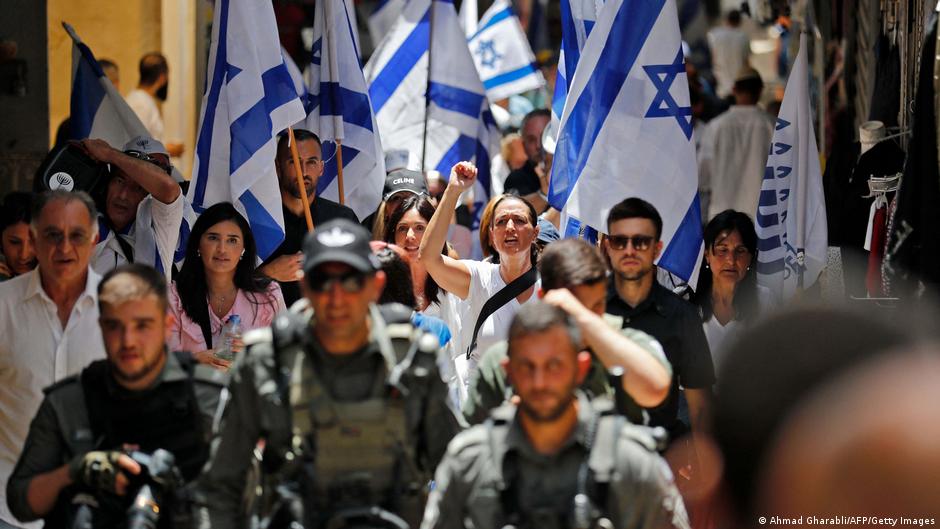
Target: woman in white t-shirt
727,293
511,236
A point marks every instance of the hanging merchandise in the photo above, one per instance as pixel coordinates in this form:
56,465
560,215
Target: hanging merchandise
849,198
913,249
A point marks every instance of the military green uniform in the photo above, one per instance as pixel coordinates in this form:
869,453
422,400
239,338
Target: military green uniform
489,388
492,477
91,411
361,429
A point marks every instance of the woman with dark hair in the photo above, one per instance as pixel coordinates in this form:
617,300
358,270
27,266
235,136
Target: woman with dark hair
218,280
17,255
406,228
727,285
511,241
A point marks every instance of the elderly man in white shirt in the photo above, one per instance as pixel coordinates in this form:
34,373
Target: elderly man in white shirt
143,206
48,321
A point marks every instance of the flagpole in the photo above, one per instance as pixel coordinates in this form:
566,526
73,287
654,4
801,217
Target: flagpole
427,92
300,178
339,169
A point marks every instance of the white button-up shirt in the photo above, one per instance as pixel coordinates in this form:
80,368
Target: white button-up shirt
35,352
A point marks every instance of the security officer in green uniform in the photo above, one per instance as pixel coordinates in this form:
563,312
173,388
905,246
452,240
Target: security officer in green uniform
557,460
349,401
141,398
574,278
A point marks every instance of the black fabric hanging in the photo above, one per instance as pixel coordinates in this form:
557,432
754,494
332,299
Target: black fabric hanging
886,93
914,229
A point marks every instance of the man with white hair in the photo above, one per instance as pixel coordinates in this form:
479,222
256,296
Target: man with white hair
48,320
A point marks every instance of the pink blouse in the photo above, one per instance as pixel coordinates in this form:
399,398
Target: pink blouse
186,335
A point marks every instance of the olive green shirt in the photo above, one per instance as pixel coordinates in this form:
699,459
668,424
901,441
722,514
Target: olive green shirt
488,385
471,481
255,411
61,429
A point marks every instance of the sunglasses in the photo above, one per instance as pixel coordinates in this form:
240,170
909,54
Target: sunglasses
640,242
140,155
350,282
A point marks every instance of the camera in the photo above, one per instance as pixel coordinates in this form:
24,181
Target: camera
158,480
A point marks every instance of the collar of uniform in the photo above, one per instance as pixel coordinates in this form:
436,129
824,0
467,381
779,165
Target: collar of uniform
34,288
370,348
172,372
517,441
656,300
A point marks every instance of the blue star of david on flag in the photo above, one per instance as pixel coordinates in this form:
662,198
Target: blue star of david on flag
489,57
663,75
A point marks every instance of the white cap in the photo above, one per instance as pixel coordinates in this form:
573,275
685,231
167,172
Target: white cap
145,144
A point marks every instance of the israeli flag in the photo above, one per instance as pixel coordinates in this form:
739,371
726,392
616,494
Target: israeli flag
340,111
626,129
577,20
791,212
97,108
249,98
459,123
383,18
502,54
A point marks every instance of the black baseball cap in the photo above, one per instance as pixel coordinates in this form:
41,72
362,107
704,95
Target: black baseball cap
339,241
404,180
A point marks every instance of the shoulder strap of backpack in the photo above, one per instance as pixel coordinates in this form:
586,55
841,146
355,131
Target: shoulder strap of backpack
505,295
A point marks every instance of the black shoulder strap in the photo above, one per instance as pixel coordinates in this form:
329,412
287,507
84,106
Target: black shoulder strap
206,331
125,247
505,295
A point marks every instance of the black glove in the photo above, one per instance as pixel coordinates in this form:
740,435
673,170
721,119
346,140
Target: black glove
97,469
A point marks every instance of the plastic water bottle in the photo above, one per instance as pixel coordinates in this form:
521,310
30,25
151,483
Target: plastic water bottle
231,331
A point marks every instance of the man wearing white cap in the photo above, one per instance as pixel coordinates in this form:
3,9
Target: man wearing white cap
142,207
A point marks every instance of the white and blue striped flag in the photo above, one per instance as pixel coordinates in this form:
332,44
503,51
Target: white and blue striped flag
626,129
791,212
577,19
502,54
340,110
460,125
97,110
249,99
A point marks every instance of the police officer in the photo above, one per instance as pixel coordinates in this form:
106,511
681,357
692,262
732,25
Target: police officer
349,401
558,460
141,398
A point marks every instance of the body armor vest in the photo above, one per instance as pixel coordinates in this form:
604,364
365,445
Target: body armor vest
165,417
359,454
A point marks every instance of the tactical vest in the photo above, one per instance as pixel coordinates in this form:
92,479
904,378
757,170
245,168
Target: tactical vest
359,454
167,417
587,509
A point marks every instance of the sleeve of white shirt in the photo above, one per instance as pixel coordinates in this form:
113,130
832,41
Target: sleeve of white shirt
166,228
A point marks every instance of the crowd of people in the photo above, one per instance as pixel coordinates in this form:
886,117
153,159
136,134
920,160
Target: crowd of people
372,373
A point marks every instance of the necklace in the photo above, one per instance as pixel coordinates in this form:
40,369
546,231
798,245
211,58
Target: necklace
220,306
